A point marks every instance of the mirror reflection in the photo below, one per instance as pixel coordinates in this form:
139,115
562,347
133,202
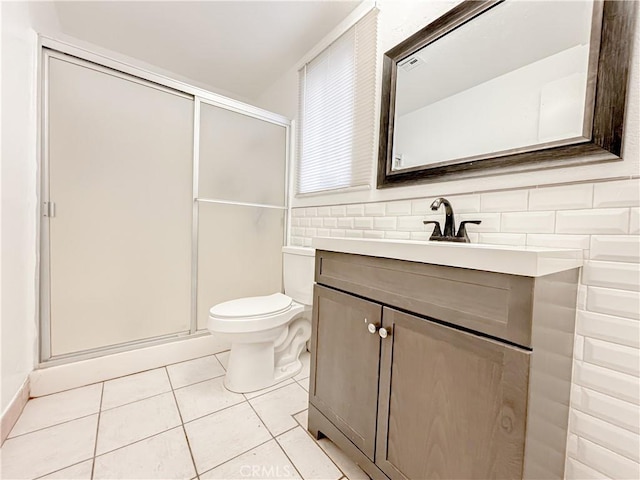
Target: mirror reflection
516,77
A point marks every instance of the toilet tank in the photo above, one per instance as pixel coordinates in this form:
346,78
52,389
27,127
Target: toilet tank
298,264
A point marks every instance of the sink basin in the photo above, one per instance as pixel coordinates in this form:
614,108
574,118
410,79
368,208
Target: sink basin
526,261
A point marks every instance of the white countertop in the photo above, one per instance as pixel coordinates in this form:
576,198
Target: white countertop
526,261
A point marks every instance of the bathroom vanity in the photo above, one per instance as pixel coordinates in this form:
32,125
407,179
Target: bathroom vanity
433,360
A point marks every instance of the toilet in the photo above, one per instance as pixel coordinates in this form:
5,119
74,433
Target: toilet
268,333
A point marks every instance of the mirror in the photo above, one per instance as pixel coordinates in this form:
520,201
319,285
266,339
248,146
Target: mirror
507,84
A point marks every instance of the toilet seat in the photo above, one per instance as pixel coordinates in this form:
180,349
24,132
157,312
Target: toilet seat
251,307
253,314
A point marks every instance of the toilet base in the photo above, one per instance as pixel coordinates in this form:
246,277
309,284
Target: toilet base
257,365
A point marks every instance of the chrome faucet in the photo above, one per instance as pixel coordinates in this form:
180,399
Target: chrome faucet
449,234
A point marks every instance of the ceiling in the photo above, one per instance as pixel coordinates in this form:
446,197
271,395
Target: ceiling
239,46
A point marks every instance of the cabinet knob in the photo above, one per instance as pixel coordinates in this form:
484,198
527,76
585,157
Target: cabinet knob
384,333
372,328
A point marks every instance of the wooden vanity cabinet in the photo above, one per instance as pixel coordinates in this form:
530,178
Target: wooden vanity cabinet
436,399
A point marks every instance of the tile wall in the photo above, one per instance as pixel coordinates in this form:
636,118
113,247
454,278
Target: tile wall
601,219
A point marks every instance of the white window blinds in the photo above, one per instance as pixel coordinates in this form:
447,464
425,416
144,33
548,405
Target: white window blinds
336,112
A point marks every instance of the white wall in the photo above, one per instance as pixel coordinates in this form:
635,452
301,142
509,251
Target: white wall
594,208
18,320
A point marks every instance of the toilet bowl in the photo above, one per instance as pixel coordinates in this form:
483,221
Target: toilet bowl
268,333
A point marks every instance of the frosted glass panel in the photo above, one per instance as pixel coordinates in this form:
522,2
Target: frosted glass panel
239,254
242,159
121,177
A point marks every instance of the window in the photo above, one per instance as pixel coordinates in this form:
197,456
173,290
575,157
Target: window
336,112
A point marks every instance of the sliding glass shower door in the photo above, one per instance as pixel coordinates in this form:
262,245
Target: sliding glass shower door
241,206
119,162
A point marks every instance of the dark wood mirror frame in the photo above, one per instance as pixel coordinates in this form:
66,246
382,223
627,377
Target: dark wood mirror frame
611,79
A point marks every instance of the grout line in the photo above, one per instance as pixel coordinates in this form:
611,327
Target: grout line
239,455
64,468
289,458
137,441
217,411
282,384
196,383
184,430
136,401
95,446
51,426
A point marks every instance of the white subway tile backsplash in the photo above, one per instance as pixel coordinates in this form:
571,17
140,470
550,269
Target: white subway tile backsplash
565,197
353,233
310,232
508,201
338,211
582,297
297,241
580,242
295,221
619,303
578,347
611,355
518,239
373,234
422,236
364,223
297,212
579,471
399,208
420,207
311,212
395,235
464,203
604,460
624,193
601,221
528,222
330,222
355,210
324,211
297,231
305,222
374,209
345,222
307,242
336,232
317,222
624,276
385,223
634,221
607,381
617,248
605,407
606,327
411,223
490,222
324,232
616,439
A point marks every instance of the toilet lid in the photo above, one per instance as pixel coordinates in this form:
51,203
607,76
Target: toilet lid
252,306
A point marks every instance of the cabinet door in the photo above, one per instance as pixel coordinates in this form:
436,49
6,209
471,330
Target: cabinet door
452,404
345,359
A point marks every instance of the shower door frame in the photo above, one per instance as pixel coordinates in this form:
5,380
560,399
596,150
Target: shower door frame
49,47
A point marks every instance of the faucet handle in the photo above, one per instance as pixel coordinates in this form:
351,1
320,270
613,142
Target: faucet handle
437,233
462,230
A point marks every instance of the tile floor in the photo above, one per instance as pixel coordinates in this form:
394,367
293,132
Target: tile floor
176,422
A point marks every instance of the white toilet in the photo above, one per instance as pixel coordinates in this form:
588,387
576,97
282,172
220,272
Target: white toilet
268,334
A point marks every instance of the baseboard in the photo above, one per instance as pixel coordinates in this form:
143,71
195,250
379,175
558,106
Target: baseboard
47,380
12,413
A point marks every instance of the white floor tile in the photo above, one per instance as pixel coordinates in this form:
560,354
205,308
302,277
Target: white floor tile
223,358
164,456
193,371
132,422
257,393
303,419
48,450
223,435
81,471
204,398
61,407
305,358
264,462
307,456
276,408
134,387
344,463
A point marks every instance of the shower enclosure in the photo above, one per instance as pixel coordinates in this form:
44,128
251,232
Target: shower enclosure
157,203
